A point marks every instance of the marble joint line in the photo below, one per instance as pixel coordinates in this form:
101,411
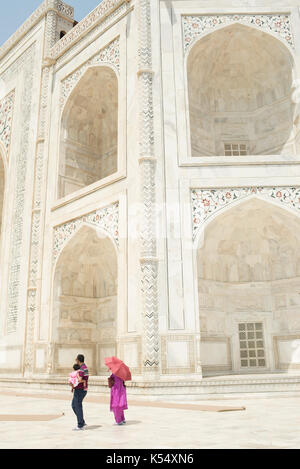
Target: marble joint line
196,26
207,202
6,118
109,55
106,218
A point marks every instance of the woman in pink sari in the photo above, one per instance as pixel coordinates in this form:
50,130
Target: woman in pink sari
118,398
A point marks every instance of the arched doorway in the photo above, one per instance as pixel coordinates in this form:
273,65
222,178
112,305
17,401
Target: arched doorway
85,300
89,133
239,92
248,267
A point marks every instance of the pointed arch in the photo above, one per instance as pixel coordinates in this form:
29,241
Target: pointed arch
281,40
85,298
248,272
239,201
89,131
234,224
239,83
101,232
70,89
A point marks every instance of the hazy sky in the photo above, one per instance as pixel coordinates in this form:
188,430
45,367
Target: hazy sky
14,12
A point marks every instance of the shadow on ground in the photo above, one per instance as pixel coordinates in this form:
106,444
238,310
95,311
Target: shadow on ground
92,427
132,422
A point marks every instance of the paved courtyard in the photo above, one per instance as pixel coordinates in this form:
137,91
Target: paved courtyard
267,422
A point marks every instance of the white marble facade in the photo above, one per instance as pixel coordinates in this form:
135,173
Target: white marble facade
150,189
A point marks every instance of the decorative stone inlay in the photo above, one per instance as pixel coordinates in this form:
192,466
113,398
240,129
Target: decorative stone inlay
26,64
149,278
149,267
6,114
100,13
65,9
37,217
195,26
106,218
206,202
110,55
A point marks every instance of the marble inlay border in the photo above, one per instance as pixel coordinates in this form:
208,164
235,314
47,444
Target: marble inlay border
194,26
6,116
147,181
188,339
207,202
106,218
109,54
24,64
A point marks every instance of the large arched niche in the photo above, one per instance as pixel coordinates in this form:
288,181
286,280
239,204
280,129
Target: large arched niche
89,131
248,269
85,300
239,91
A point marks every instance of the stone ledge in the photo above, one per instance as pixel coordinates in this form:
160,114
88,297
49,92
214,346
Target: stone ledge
200,388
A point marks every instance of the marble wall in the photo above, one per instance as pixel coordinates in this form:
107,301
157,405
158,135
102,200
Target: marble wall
126,229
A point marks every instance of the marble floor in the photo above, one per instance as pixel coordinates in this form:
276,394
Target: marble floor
268,421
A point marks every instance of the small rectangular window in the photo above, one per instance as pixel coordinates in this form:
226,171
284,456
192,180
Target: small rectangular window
252,350
235,149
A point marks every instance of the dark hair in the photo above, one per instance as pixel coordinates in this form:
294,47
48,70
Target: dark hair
76,367
80,358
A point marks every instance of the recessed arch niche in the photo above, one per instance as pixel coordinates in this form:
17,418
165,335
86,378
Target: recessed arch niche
239,93
89,131
248,269
85,298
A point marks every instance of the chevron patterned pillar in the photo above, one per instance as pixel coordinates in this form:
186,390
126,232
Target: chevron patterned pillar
147,161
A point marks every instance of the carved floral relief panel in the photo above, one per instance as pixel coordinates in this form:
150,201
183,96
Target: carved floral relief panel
206,202
195,26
